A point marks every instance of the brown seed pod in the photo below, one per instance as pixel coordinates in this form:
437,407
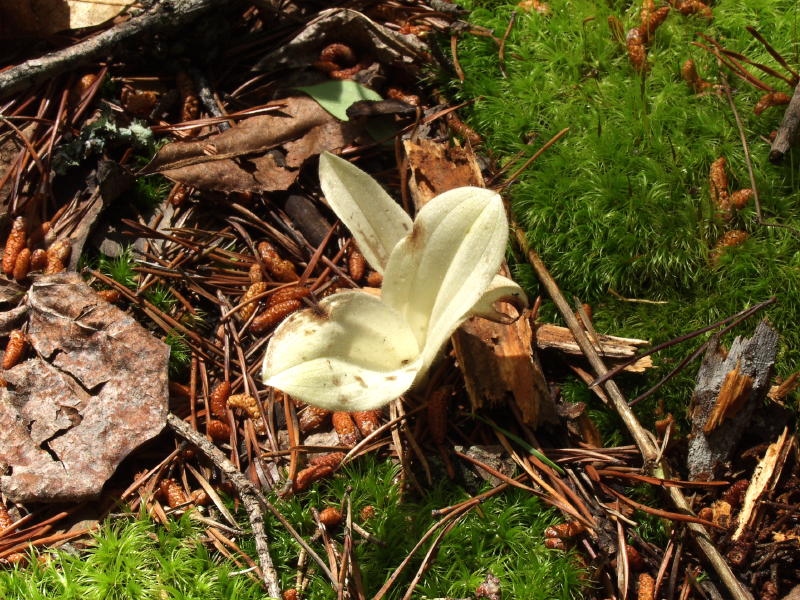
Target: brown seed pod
110,296
637,53
555,544
647,587
190,103
367,513
16,558
735,494
15,349
345,428
769,100
5,518
272,315
330,517
648,6
16,241
740,198
294,292
218,399
309,475
356,264
139,103
662,424
282,270
200,497
437,414
374,279
61,250
690,76
732,238
617,30
398,94
458,127
22,265
331,460
565,530
38,260
313,417
695,7
367,421
249,405
53,266
290,594
255,273
718,185
219,431
172,493
80,88
656,18
248,309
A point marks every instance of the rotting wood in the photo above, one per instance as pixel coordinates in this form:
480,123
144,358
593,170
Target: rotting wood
554,337
787,132
728,390
165,15
495,359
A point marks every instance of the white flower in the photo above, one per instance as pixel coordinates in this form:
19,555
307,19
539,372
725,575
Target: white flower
359,352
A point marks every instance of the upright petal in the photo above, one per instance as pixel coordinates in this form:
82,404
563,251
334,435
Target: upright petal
500,288
355,353
376,221
438,272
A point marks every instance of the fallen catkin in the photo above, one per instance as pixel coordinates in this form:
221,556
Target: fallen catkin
280,269
15,349
741,198
14,244
695,7
249,405
172,493
690,76
22,265
345,428
312,417
218,399
248,309
367,421
637,53
771,99
274,314
330,517
718,186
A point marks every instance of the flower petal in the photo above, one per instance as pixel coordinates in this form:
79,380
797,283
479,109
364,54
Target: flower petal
500,289
376,221
438,272
355,353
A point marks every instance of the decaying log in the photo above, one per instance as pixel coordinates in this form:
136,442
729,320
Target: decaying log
612,348
787,132
729,388
497,360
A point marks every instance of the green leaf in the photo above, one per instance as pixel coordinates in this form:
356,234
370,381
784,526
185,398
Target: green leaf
337,96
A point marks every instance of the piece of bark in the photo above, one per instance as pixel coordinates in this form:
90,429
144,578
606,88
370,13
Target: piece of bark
497,360
555,337
729,388
787,132
95,390
765,476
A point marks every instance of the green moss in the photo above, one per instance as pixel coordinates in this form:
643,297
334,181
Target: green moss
622,201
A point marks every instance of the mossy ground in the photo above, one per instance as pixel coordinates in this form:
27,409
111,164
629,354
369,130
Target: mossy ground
622,201
136,559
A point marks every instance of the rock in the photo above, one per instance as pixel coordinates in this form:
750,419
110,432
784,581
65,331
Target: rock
94,391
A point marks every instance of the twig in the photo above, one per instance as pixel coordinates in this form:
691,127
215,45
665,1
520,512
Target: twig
538,153
247,493
787,132
501,53
166,14
774,53
644,441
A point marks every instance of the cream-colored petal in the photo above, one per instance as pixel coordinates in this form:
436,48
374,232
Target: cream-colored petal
500,289
438,272
376,221
354,353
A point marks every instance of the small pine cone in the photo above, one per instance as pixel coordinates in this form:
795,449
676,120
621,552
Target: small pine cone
250,406
647,587
80,88
16,241
218,399
657,17
248,309
437,414
5,518
110,296
367,421
54,266
282,270
22,265
718,184
555,544
648,6
15,349
769,100
272,315
374,279
330,517
294,292
61,249
735,494
356,264
38,260
636,50
741,198
345,428
173,493
255,273
219,431
690,76
735,237
635,561
200,498
565,530
367,513
398,94
309,475
290,594
16,558
331,460
313,418
695,7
